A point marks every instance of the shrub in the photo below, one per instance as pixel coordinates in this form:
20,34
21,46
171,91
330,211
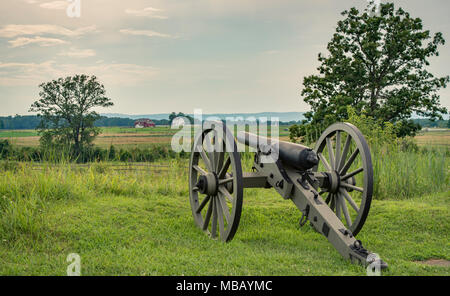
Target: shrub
112,153
125,155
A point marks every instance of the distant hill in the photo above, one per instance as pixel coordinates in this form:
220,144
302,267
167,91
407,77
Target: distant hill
151,116
282,116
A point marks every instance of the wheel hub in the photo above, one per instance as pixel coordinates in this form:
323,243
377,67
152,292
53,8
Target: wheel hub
208,184
335,181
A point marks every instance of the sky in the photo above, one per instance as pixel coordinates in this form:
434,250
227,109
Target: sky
159,56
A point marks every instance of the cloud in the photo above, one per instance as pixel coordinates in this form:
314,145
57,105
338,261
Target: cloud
11,31
78,53
22,41
32,74
55,5
147,33
146,12
274,51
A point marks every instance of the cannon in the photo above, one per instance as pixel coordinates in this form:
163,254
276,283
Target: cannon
331,185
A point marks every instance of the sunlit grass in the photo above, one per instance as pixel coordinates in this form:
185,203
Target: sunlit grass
140,223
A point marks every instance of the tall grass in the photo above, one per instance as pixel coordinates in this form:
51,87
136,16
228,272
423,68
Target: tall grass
58,154
25,191
402,174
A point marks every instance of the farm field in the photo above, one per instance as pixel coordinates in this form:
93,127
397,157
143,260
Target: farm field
122,137
131,137
433,137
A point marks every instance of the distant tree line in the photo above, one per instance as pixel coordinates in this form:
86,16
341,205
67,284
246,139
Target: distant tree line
430,123
32,121
19,122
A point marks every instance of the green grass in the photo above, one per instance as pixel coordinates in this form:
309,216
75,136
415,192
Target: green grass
17,133
140,223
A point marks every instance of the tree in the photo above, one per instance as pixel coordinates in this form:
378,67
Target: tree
65,108
378,65
174,115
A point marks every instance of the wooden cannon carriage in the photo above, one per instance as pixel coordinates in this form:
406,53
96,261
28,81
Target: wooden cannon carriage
331,184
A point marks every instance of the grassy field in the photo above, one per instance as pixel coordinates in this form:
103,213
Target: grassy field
126,137
139,223
135,219
132,137
433,137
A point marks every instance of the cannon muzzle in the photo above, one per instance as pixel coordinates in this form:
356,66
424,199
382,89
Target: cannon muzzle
295,155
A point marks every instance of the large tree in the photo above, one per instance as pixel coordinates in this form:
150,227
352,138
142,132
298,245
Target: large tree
66,110
377,63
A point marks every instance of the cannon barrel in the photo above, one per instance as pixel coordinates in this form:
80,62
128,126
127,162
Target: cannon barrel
295,155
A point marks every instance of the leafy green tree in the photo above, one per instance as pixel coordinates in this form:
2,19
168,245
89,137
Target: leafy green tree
377,63
66,111
174,115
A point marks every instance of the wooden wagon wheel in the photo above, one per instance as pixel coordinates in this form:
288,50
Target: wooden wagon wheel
349,166
215,182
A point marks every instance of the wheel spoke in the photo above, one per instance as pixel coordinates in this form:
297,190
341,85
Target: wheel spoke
323,191
220,216
220,155
214,219
325,162
199,169
349,162
225,209
338,207
345,211
211,152
349,199
225,167
344,152
203,204
206,160
349,175
219,161
330,151
338,150
328,199
333,202
349,186
223,181
227,194
208,216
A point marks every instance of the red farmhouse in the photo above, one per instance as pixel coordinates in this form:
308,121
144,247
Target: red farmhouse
141,123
